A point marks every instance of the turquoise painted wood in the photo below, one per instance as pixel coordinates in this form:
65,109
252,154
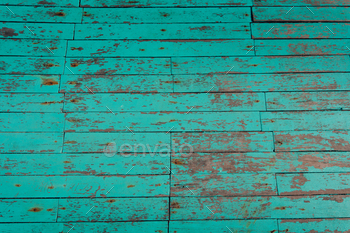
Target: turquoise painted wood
116,83
307,100
112,48
164,102
40,3
36,31
31,143
83,186
28,210
113,209
301,14
32,65
300,30
302,47
83,164
163,31
305,120
222,142
312,141
313,183
110,66
116,142
267,64
167,15
223,185
29,83
262,82
301,3
314,225
40,14
31,102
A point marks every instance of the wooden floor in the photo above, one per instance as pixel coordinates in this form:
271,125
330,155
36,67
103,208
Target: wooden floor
174,116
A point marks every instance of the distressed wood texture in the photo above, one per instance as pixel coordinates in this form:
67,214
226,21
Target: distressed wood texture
167,15
29,83
163,31
301,3
74,3
314,225
31,65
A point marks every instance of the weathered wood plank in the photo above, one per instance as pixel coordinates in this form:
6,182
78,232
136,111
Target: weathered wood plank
262,82
121,142
167,15
300,30
313,183
40,14
323,120
36,30
31,142
164,102
324,206
229,163
301,3
33,47
40,3
31,102
302,47
28,210
212,226
307,100
116,83
312,141
301,14
276,64
109,66
31,65
83,186
116,48
223,185
113,209
163,31
223,142
193,121
29,83
31,122
341,225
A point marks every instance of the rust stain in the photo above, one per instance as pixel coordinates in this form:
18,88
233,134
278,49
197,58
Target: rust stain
35,209
178,161
131,186
18,185
79,49
111,200
61,14
175,205
8,32
74,64
49,82
49,210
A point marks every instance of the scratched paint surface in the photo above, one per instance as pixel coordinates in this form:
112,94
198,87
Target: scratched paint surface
174,116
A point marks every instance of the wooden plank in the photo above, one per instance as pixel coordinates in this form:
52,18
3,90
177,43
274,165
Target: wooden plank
313,183
31,122
113,209
262,82
40,14
31,102
212,226
305,120
83,164
164,102
109,66
121,142
28,210
230,163
283,64
222,142
115,48
31,65
36,30
116,83
40,3
301,3
223,185
314,225
163,31
83,186
301,14
300,30
307,100
312,141
31,142
29,83
32,47
143,122
302,47
167,15
324,206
